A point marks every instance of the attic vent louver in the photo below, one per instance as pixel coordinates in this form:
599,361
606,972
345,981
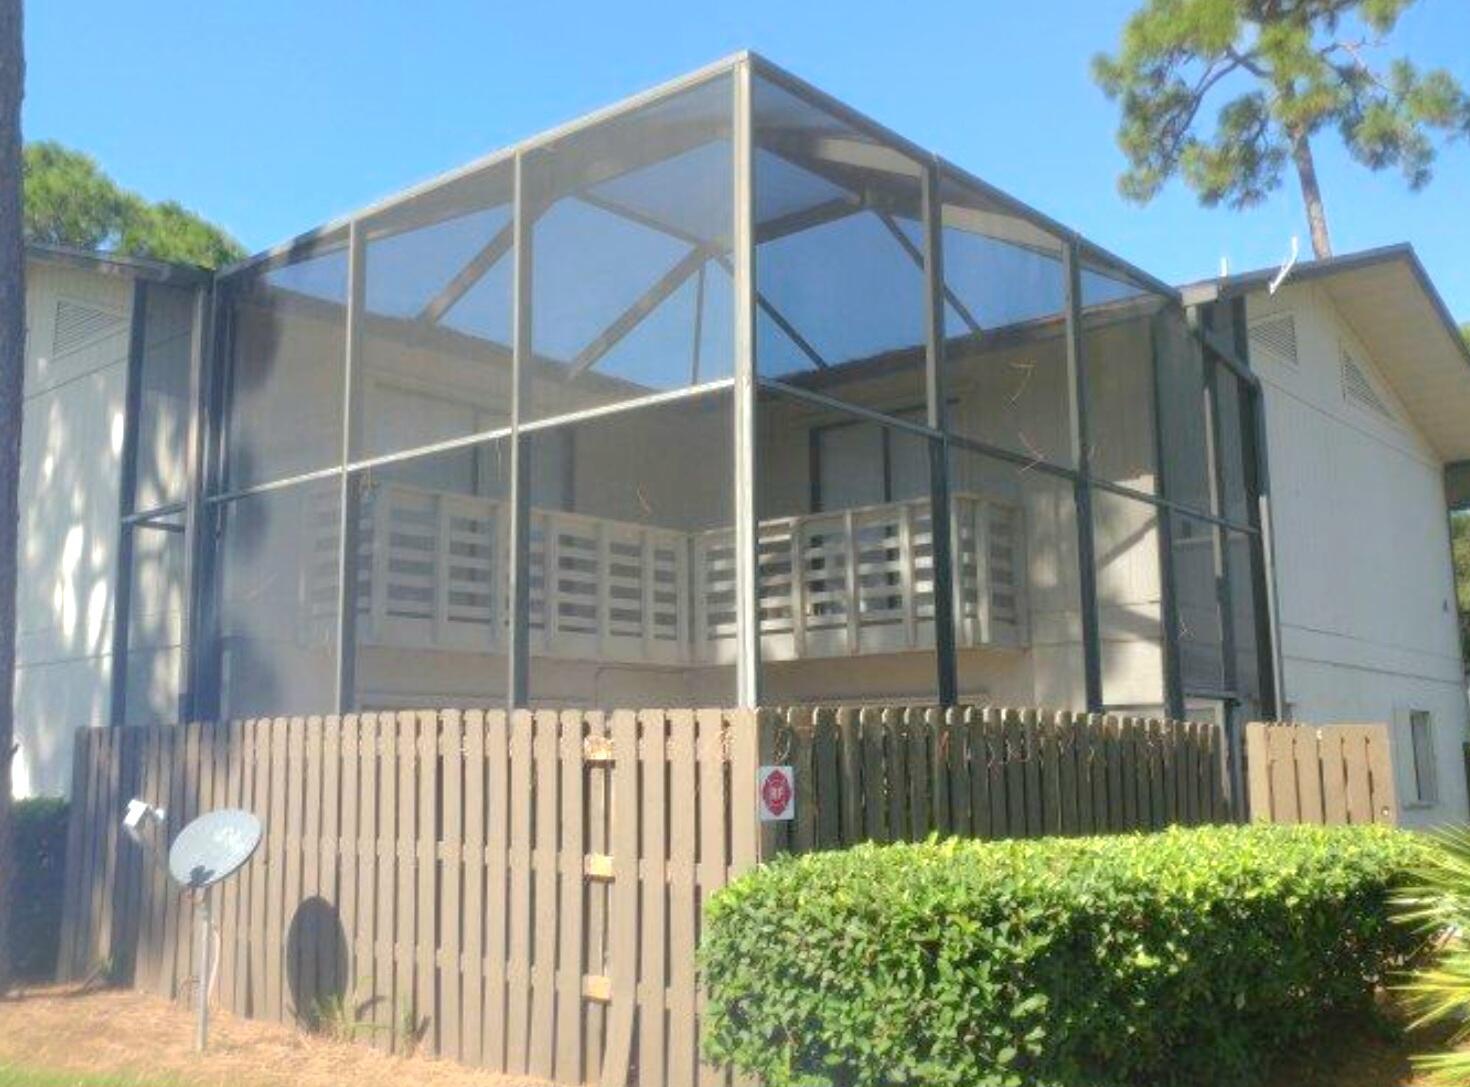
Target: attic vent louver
79,325
1357,388
1274,338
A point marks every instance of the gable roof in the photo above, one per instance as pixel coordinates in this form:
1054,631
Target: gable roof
156,271
1387,298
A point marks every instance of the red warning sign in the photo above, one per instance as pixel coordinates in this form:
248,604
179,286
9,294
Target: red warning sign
777,787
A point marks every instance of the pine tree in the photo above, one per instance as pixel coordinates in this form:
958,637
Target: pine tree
1287,70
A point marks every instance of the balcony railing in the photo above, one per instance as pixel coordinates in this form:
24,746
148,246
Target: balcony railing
432,574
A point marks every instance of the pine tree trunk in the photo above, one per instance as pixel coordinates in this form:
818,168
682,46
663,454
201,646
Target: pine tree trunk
1306,168
12,372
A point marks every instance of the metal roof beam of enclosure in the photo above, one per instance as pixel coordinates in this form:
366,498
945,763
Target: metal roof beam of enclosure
857,119
642,218
941,528
1082,493
918,258
645,304
697,344
779,320
465,279
794,222
542,139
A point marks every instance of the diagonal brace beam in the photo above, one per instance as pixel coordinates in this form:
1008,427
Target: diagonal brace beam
465,279
645,304
918,258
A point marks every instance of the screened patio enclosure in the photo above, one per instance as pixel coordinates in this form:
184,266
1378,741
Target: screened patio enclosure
723,395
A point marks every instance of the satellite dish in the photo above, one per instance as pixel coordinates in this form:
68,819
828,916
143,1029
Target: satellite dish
212,847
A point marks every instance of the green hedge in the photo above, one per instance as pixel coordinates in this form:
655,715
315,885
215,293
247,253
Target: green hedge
39,852
1192,956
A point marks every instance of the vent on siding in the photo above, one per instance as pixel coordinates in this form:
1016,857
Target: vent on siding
1357,388
1274,338
78,325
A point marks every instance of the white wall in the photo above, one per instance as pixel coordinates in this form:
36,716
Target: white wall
70,448
1363,571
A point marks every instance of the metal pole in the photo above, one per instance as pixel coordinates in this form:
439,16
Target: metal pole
1082,493
1173,677
747,611
348,519
127,500
934,375
201,1030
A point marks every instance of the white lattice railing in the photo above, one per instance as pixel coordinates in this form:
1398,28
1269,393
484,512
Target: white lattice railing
432,574
862,581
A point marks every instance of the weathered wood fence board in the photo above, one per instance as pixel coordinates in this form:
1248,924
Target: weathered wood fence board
1328,774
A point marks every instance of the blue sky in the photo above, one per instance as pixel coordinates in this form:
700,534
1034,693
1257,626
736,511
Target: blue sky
271,116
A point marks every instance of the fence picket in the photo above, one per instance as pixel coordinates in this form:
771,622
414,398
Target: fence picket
598,809
497,888
652,1023
518,972
405,861
875,778
895,755
473,986
364,937
352,759
714,861
682,897
1359,778
426,1011
450,852
572,911
307,925
294,772
977,746
850,754
827,790
377,869
542,1057
331,978
623,923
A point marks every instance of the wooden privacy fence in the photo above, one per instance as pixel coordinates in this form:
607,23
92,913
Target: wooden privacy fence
1329,774
901,774
524,891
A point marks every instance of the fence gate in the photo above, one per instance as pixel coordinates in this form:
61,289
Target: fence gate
1330,774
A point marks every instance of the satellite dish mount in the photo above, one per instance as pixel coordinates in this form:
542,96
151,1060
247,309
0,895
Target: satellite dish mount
208,850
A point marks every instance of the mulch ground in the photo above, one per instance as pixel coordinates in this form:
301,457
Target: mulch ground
142,1038
128,1034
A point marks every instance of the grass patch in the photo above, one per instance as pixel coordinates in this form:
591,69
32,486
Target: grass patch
19,1075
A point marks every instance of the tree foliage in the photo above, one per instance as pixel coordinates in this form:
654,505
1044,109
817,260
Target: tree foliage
1285,71
1460,552
69,200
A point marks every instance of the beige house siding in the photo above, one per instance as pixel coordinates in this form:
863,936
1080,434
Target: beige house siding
78,326
1363,572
